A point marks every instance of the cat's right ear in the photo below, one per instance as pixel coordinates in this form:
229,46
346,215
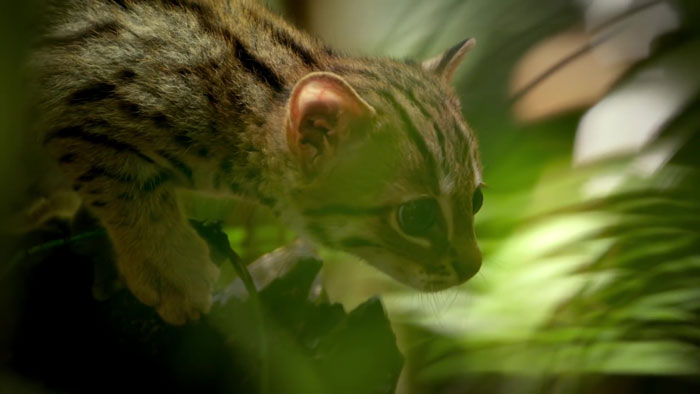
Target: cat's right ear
445,64
322,110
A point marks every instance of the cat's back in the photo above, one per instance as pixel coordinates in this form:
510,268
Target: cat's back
91,49
176,56
166,31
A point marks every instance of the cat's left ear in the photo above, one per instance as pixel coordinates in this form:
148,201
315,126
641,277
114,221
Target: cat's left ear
445,64
324,110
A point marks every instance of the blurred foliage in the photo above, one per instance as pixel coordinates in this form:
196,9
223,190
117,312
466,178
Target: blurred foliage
282,339
586,287
580,292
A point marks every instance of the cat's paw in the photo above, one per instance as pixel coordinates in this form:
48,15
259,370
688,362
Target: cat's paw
177,280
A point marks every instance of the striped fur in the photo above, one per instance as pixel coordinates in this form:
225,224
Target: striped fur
140,97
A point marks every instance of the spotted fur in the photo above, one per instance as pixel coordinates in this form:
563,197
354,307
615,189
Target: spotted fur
141,97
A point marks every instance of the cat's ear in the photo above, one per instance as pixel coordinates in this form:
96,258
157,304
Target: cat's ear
323,111
445,64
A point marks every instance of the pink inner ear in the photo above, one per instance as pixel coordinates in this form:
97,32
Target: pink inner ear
321,109
319,97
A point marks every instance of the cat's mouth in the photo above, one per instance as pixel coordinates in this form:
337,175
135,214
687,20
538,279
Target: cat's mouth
463,272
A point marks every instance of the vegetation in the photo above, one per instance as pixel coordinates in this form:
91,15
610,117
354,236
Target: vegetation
592,262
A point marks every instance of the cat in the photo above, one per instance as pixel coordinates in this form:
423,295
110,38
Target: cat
138,98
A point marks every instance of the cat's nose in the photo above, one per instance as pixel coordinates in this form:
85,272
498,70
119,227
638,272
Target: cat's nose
466,263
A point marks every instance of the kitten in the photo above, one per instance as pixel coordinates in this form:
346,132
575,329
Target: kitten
371,156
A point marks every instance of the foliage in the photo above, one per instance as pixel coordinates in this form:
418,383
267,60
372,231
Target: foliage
277,340
591,276
589,282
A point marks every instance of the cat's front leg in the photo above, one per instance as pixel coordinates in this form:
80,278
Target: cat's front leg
163,261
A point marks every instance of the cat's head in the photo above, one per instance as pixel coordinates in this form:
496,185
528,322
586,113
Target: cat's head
389,169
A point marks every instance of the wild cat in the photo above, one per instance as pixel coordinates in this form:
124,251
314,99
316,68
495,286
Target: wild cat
372,156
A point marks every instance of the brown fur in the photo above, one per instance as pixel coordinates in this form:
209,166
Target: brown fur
140,97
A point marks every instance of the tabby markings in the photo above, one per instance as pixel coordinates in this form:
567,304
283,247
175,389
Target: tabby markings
438,132
415,137
177,164
96,92
252,64
154,182
285,39
161,120
75,132
121,3
288,42
127,75
259,69
99,171
183,140
148,186
441,142
67,158
133,109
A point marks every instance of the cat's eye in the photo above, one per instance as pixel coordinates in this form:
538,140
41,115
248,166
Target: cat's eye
477,200
418,216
